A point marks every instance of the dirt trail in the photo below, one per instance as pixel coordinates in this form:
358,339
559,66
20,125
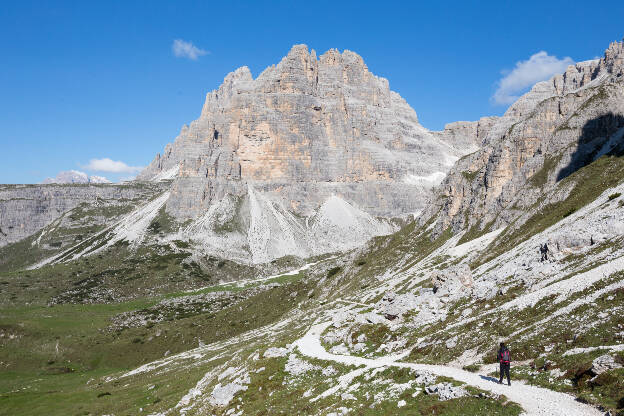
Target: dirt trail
534,400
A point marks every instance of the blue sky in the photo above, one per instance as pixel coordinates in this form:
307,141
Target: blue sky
92,80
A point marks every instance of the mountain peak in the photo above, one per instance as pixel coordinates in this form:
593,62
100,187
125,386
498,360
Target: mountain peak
303,131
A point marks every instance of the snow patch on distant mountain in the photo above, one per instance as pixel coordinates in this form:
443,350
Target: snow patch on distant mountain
75,176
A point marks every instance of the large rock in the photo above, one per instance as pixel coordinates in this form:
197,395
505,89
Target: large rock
604,363
452,279
446,391
394,305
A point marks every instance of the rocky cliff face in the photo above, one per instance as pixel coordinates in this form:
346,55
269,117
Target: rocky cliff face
25,209
304,159
302,131
466,134
553,130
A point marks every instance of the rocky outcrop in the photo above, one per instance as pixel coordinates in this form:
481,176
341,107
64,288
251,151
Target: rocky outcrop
450,280
604,363
466,134
559,126
306,129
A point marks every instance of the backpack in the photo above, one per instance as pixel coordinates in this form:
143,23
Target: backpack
505,357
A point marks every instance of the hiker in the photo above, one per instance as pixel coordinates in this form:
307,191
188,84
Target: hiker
591,240
504,356
544,250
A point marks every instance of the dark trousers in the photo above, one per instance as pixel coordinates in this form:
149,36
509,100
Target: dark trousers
504,370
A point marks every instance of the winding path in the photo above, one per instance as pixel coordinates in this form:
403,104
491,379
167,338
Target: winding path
534,400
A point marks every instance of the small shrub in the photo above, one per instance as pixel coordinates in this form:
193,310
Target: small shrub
615,195
181,244
473,368
154,227
604,379
59,370
333,271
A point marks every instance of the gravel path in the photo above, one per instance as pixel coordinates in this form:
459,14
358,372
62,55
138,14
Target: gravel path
534,400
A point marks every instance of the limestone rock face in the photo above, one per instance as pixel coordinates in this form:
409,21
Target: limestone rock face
467,134
545,135
306,129
25,209
304,159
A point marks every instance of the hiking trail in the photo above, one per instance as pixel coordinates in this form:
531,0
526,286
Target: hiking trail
534,400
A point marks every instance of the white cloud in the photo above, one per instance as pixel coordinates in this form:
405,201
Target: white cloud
108,165
183,49
538,67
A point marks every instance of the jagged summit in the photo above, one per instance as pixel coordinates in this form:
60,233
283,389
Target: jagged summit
324,120
307,129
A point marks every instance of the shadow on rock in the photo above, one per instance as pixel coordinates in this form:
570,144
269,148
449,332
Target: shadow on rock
600,136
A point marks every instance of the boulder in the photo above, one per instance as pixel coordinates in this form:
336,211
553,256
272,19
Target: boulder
604,363
452,279
446,391
393,306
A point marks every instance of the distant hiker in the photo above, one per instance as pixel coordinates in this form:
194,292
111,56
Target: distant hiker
591,240
504,357
544,250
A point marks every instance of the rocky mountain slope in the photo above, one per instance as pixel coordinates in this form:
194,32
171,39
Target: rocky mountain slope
406,324
26,209
558,127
